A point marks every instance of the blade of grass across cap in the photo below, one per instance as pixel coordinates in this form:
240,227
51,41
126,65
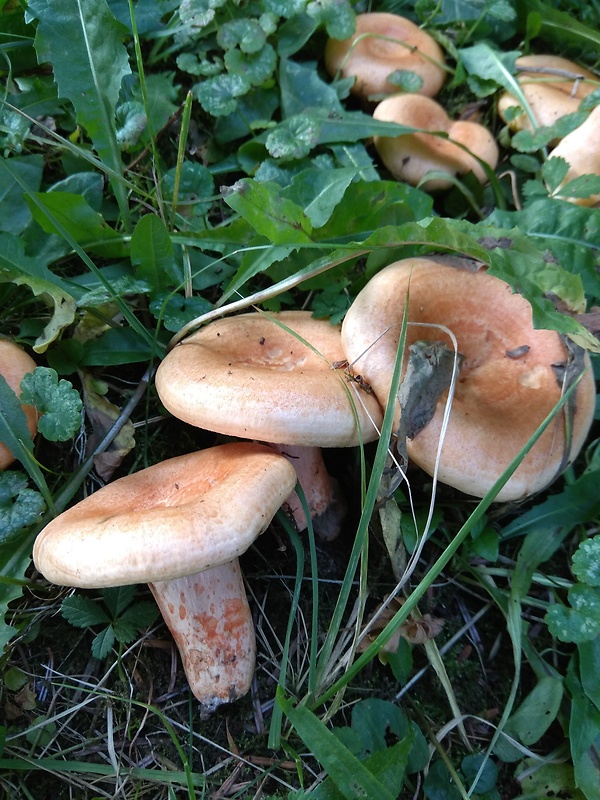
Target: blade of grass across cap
442,561
359,549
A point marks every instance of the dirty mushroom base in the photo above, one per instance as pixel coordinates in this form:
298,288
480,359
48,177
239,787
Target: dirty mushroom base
509,382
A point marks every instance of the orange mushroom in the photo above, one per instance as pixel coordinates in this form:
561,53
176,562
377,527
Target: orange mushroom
511,378
581,150
382,44
409,157
180,526
548,89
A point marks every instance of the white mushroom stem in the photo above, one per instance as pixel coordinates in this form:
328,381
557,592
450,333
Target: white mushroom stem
210,619
323,496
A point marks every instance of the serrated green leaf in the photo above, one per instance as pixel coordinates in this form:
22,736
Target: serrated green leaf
102,643
218,94
581,622
82,611
83,42
255,68
244,32
117,598
15,558
586,561
141,614
530,141
293,139
262,206
20,506
151,252
405,80
57,402
336,15
554,172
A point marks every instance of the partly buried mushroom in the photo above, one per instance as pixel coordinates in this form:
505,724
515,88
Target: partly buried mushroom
581,150
180,526
383,44
511,378
548,89
271,378
14,365
411,156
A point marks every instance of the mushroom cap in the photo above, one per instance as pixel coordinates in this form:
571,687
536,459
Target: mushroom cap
247,376
507,385
550,97
581,150
411,156
173,519
371,59
14,365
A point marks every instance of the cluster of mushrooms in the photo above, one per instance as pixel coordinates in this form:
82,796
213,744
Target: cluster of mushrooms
288,385
386,44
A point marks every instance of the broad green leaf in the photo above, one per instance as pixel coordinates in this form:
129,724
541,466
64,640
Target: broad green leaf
438,784
244,32
470,767
151,252
351,777
584,741
260,204
294,138
405,80
194,184
175,310
20,506
14,211
57,402
83,42
116,346
482,61
318,192
82,611
301,87
589,658
336,15
537,711
561,26
79,219
576,504
580,187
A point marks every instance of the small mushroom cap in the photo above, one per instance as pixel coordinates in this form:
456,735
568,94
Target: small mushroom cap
247,376
550,97
581,150
371,57
14,365
509,382
170,520
410,157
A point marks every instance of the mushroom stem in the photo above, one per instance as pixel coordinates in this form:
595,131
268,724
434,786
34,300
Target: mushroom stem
210,619
323,495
